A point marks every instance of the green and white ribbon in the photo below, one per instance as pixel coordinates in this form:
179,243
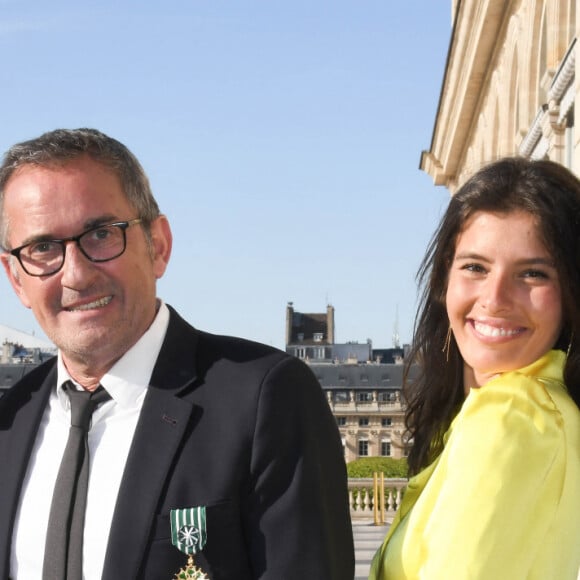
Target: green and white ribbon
188,530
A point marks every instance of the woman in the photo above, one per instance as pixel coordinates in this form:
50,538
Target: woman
494,417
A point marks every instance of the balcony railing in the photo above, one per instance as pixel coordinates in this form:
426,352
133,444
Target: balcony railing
361,498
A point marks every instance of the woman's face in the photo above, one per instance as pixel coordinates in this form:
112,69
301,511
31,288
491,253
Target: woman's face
504,300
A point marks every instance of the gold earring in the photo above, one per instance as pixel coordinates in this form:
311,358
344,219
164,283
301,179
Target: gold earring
447,346
570,344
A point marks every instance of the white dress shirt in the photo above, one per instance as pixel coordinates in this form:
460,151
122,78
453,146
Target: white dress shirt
112,428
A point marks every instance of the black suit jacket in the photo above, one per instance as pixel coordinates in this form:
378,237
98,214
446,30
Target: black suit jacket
235,426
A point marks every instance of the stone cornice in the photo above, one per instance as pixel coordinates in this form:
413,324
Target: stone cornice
564,75
533,136
476,35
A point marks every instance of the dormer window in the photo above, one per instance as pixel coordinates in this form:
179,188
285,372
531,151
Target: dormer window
318,336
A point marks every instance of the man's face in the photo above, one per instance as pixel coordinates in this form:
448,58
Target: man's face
94,312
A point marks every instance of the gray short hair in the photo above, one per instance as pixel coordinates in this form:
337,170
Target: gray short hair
61,145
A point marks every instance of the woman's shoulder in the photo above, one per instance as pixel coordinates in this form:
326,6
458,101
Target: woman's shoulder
498,421
516,412
537,389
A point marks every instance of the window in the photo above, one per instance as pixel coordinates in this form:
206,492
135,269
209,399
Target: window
341,397
318,336
364,397
341,421
386,421
386,448
363,422
387,396
300,336
363,447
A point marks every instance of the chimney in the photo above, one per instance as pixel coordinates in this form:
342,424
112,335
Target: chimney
330,323
289,318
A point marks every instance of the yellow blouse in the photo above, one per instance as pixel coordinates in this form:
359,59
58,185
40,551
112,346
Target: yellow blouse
502,501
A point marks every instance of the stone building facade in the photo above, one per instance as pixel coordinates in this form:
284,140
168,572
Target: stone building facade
362,385
366,402
510,87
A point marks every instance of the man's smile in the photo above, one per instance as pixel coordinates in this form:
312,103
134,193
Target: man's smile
90,305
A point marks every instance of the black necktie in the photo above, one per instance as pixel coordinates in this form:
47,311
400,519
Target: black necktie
63,554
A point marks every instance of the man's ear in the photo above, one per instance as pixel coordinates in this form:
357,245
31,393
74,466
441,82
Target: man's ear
161,244
14,277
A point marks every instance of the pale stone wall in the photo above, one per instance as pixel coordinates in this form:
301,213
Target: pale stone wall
375,433
510,87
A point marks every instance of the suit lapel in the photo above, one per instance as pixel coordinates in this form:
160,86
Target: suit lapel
20,415
164,419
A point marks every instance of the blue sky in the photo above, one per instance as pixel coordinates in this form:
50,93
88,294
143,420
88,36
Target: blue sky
282,139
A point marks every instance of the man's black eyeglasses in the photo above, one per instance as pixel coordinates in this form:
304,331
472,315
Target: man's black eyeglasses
99,244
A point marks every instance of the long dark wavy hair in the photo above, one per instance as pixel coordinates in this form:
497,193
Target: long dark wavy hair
550,193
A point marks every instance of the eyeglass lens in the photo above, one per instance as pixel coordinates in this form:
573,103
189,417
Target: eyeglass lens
99,245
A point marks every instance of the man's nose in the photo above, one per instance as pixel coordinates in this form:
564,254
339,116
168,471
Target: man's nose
76,267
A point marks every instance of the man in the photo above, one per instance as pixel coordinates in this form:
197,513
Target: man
237,431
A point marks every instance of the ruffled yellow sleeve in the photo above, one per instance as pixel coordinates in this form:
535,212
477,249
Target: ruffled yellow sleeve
489,504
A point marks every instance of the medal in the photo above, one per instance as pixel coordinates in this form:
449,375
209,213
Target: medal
188,535
190,572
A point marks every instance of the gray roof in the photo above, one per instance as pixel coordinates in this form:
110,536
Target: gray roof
359,376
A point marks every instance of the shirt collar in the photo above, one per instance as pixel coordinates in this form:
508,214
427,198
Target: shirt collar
127,380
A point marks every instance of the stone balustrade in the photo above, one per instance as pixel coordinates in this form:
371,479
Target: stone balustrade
361,494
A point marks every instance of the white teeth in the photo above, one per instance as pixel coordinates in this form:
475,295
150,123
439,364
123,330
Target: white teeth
493,331
96,304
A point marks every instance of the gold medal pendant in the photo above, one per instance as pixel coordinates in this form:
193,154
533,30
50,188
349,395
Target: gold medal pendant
188,535
190,572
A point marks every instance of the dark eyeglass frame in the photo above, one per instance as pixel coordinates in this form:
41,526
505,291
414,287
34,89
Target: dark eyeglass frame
123,225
